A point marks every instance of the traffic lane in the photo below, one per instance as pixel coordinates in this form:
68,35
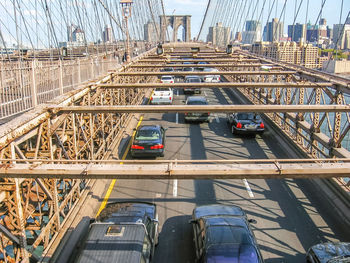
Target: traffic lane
281,230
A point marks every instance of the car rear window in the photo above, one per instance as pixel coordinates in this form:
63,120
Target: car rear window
147,135
228,234
248,116
193,80
197,102
162,89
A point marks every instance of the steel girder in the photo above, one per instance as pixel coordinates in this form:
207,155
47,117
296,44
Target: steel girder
33,211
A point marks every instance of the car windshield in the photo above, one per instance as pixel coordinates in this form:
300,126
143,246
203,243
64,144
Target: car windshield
188,69
147,135
167,78
168,69
227,235
248,116
197,102
162,89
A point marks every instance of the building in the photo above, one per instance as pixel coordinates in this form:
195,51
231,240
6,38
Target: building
150,32
219,35
336,66
341,36
301,54
78,35
238,36
108,35
252,32
297,33
273,30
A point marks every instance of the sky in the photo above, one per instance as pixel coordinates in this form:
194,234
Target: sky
196,8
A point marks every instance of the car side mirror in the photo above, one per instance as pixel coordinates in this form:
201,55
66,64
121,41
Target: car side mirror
154,220
252,221
192,221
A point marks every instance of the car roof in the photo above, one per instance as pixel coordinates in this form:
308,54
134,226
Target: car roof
167,76
192,77
218,210
226,253
327,251
124,246
196,98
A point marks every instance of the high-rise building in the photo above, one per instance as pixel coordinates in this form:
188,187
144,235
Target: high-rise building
150,32
78,35
341,36
219,35
297,33
252,32
70,30
301,54
274,30
108,35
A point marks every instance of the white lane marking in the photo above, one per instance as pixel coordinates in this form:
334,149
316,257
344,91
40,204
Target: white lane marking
217,119
177,93
175,188
177,118
205,94
249,190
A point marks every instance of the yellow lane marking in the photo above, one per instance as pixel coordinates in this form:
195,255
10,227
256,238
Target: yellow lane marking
111,186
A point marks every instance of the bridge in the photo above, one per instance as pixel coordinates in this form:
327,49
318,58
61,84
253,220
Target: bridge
68,123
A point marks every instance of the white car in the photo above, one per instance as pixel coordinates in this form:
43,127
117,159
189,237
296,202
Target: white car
162,96
211,78
167,79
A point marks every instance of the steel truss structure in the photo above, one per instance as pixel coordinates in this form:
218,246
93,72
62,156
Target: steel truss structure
49,155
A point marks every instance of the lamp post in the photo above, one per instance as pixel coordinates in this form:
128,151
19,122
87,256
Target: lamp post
126,12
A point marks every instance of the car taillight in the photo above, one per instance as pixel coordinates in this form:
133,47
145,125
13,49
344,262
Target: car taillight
186,113
158,146
151,98
262,126
169,98
137,147
239,125
171,81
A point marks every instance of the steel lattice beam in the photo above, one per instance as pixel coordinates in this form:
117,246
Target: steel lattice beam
205,169
195,108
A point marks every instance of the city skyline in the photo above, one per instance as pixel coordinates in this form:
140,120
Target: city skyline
196,8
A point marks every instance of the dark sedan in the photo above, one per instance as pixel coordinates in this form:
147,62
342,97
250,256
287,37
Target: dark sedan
222,234
196,116
246,123
148,141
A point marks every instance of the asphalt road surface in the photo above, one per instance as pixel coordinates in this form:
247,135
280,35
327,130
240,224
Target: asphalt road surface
291,215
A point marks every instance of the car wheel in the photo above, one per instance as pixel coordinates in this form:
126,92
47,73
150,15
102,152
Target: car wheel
162,154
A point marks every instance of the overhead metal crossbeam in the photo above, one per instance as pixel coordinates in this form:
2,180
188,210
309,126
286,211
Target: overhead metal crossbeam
220,85
202,73
229,60
177,169
201,108
238,65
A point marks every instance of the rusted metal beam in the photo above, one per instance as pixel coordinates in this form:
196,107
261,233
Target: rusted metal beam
220,85
201,108
201,73
239,65
205,169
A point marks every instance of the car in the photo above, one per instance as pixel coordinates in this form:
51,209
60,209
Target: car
168,69
148,141
162,96
196,116
246,123
222,233
167,79
329,252
210,77
192,79
199,68
123,232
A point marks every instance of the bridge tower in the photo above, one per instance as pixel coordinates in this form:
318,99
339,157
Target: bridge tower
175,21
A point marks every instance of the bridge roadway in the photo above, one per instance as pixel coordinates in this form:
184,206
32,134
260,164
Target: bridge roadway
291,215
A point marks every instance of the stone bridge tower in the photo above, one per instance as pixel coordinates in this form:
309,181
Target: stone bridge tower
175,22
